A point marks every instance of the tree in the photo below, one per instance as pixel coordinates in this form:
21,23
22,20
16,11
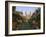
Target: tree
36,17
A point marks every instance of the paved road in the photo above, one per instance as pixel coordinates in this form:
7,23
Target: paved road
25,26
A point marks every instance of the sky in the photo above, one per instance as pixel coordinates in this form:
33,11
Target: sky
26,9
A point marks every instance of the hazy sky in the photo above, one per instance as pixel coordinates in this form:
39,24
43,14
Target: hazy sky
25,9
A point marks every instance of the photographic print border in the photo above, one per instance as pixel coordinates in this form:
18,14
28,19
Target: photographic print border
6,18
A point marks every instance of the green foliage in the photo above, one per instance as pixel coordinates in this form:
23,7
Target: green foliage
36,18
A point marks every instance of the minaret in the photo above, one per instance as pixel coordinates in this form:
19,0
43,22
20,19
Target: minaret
25,13
30,13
